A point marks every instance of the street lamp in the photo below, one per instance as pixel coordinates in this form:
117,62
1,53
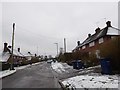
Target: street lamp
57,47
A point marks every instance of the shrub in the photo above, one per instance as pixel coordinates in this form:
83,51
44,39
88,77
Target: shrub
4,66
112,50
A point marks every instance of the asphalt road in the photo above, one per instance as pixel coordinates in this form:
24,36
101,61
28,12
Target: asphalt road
38,76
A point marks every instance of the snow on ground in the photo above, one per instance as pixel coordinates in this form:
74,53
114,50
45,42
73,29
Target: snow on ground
9,72
6,73
21,67
86,81
94,67
36,63
60,67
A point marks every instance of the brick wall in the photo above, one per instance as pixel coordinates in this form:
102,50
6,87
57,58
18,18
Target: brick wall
96,46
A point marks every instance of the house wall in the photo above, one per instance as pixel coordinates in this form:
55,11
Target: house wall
96,46
17,59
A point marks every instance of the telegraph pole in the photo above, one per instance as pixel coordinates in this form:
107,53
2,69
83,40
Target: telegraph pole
64,45
12,66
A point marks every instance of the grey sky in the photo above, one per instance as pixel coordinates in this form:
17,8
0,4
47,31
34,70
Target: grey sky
44,23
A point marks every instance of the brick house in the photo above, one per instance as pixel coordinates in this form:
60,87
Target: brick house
100,37
5,55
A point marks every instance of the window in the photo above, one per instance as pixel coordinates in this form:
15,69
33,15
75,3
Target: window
83,47
89,53
97,53
101,40
91,44
112,37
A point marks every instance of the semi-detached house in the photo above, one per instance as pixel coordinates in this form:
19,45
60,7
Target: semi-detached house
101,36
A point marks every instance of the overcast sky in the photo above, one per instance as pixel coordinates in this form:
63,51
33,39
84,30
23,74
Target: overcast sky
41,24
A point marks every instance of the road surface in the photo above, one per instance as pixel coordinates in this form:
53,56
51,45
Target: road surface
38,76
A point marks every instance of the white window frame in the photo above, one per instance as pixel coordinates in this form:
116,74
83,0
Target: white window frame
101,40
83,47
97,54
92,44
112,37
89,53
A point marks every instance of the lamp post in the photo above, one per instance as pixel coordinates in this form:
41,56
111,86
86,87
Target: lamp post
57,48
12,66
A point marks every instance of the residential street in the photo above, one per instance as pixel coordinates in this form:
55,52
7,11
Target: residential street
46,75
58,45
38,76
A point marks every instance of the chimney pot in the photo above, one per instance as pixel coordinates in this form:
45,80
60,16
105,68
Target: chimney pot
78,43
5,44
35,55
18,49
108,23
29,52
89,35
9,46
5,47
97,30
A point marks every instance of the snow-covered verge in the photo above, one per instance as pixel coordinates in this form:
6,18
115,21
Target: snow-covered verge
60,67
36,63
21,67
6,73
86,81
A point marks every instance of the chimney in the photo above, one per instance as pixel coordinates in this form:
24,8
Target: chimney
29,53
97,30
35,55
5,47
78,43
9,49
108,24
9,46
89,35
18,49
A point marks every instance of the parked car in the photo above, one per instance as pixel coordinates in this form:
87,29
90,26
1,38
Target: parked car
49,61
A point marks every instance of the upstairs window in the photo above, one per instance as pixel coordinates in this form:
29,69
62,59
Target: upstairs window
101,40
91,44
112,37
83,47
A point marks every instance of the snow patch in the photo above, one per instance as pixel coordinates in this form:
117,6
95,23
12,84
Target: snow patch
9,72
36,63
22,67
86,81
6,73
113,31
4,56
58,67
